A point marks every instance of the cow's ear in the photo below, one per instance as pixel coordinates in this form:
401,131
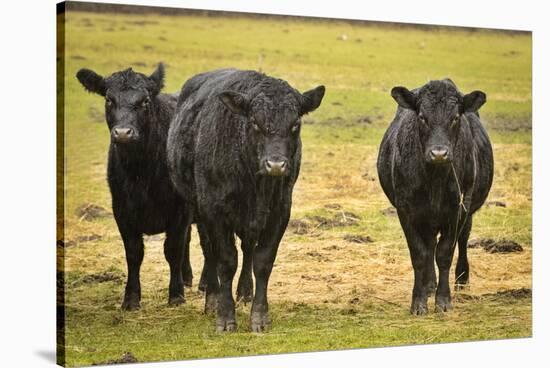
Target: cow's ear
158,78
404,98
92,81
473,101
312,99
237,102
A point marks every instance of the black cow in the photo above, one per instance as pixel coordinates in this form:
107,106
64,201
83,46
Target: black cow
435,164
234,145
143,198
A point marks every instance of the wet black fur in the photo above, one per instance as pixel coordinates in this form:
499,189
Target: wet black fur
426,195
228,122
144,200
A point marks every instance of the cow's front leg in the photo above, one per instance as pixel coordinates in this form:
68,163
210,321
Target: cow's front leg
462,271
262,263
133,246
421,255
222,241
444,258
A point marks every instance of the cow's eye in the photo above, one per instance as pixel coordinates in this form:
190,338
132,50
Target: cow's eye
145,103
108,101
295,127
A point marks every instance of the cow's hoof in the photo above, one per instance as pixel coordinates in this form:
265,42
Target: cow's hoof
131,303
226,324
259,322
443,304
176,300
211,304
419,307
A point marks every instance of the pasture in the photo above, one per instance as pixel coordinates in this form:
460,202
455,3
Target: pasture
342,278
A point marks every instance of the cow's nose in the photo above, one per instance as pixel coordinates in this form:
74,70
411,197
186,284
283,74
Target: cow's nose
439,155
123,135
276,168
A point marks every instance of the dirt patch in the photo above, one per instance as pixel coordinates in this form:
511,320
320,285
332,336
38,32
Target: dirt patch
390,211
299,227
495,204
96,115
359,239
100,277
494,246
365,120
317,256
90,212
80,239
126,358
512,293
340,219
141,22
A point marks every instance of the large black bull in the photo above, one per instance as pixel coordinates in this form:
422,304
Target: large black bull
234,146
435,165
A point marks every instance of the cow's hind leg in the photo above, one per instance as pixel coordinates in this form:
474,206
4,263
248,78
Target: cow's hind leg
462,271
174,250
187,270
206,247
133,246
245,286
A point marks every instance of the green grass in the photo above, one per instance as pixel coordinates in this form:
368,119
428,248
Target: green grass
325,292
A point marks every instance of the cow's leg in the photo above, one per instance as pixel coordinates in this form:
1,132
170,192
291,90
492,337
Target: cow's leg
444,258
209,282
177,239
206,247
223,243
187,271
133,246
245,286
420,257
263,258
462,271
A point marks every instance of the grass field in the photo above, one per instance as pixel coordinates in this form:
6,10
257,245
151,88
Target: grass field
331,288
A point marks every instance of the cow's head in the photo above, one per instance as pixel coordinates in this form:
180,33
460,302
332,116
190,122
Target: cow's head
439,109
273,114
130,99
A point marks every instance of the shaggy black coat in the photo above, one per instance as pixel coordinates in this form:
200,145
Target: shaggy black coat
234,146
436,133
144,200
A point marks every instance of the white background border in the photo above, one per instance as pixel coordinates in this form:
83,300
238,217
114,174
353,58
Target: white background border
27,180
